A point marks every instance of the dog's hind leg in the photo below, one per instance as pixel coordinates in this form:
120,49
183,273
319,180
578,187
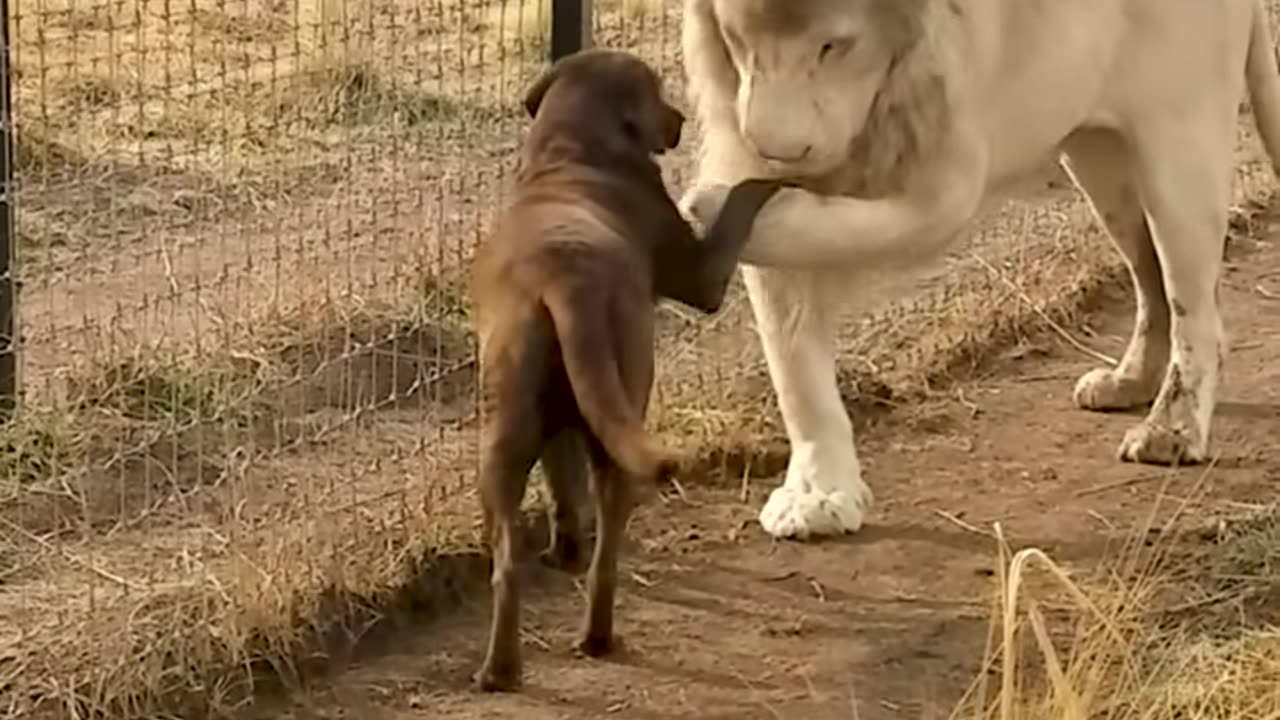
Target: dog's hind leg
613,506
504,473
511,439
564,462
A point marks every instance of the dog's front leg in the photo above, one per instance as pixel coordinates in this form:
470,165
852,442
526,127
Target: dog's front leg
697,272
564,463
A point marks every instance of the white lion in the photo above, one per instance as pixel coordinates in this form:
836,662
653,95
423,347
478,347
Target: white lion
900,118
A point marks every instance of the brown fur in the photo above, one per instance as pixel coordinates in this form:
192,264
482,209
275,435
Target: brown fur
563,292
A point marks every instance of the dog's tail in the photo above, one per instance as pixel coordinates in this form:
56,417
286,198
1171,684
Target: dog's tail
1264,83
591,362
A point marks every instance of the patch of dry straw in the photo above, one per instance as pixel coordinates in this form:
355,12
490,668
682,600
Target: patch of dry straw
195,616
1117,659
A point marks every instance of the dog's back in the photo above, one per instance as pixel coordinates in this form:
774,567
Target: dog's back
569,222
560,278
568,272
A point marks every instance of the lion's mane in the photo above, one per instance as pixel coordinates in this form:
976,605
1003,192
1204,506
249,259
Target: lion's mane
906,120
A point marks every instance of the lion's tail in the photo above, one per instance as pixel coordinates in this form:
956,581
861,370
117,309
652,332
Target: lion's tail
591,363
1263,79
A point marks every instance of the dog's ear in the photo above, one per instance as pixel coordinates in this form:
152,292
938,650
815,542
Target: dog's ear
533,97
675,127
653,123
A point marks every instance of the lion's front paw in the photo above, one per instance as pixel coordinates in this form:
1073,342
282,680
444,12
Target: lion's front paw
823,494
805,513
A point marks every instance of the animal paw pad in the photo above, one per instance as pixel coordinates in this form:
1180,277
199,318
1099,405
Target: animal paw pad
1153,444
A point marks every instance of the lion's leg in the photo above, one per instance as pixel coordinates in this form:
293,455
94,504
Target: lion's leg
1101,164
823,493
1185,173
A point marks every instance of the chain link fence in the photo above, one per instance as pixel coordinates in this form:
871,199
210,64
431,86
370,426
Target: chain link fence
247,374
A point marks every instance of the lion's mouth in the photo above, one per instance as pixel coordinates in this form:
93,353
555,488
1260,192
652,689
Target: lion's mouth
808,174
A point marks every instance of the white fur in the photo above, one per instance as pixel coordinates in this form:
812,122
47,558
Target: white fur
923,111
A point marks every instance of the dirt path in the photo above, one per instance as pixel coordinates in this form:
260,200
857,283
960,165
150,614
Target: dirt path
721,623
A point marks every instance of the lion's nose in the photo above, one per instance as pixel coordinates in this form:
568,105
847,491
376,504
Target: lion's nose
785,154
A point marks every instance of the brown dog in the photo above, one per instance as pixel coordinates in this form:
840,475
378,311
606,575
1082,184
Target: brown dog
563,292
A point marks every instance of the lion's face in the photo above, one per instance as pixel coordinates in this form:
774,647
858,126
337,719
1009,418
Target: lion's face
808,73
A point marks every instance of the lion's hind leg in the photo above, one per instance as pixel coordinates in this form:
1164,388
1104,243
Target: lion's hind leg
1101,165
1185,173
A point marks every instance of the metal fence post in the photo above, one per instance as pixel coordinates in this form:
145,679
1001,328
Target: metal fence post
570,27
8,265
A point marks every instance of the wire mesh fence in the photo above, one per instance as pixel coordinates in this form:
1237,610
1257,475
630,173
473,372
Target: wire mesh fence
242,232
241,236
8,321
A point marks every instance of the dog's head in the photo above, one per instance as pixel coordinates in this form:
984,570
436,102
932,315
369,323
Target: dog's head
616,89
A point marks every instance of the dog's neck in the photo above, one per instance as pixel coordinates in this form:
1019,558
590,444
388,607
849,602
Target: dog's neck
564,136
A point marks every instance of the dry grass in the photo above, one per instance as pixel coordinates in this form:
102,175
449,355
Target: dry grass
526,24
274,579
1140,638
235,116
262,85
248,431
156,502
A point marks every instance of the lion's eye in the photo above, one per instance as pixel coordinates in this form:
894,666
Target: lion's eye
835,48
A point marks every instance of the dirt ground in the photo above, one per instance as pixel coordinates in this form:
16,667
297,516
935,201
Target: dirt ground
719,622
348,210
